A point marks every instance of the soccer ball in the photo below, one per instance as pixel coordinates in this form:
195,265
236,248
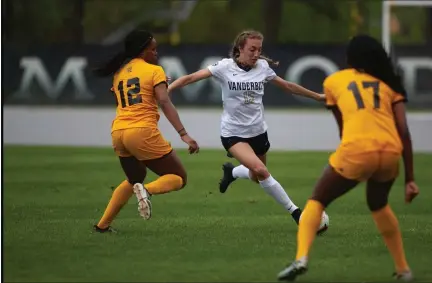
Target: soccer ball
324,223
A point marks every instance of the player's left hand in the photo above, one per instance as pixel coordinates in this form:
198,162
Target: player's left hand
411,191
193,145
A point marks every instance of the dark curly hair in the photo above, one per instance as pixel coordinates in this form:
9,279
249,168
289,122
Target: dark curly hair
366,54
134,43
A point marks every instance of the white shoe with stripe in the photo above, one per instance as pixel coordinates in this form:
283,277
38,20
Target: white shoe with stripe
144,203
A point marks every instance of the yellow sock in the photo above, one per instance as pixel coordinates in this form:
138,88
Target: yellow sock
388,226
164,184
119,198
308,227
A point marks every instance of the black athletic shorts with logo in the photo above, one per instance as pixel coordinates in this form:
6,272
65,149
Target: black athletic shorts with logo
260,144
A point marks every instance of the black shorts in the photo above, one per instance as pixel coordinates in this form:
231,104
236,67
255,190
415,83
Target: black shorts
260,144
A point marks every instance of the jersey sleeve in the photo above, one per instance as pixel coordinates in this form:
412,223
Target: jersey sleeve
270,73
397,97
330,98
159,76
217,68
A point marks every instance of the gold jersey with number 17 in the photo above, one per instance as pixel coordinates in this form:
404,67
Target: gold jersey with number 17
366,106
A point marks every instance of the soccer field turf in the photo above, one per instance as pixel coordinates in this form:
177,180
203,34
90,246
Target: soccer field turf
53,196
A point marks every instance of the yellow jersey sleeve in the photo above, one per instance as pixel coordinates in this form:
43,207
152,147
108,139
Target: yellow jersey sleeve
397,97
159,76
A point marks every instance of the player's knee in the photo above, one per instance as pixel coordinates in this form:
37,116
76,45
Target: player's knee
377,197
183,177
135,180
323,200
260,171
376,204
253,177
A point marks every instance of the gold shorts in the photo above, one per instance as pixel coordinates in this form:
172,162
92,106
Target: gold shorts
350,162
143,143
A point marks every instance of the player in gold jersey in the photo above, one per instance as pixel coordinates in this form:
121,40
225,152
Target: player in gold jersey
139,86
367,101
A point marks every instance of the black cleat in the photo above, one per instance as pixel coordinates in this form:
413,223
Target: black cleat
296,215
290,273
227,178
109,229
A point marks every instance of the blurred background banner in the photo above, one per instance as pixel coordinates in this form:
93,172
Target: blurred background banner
48,57
62,74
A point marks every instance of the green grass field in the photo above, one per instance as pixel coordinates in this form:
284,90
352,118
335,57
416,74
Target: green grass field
53,196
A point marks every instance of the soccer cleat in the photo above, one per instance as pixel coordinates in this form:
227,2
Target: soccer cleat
108,229
227,178
406,276
290,273
296,215
144,203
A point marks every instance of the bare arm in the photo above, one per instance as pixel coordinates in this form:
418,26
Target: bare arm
405,136
189,79
338,117
168,108
297,89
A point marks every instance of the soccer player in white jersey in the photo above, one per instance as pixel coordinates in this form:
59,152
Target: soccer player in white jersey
243,129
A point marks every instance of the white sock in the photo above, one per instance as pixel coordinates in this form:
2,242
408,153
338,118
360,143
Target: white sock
240,172
273,188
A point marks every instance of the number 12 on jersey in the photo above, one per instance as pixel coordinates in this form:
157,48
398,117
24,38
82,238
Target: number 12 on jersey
353,87
132,89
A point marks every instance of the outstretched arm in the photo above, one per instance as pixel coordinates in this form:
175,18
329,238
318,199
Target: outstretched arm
189,79
297,89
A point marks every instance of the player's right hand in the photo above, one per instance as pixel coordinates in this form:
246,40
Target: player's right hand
411,191
193,145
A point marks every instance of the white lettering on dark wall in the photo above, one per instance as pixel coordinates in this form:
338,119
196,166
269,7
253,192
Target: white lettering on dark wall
73,70
409,65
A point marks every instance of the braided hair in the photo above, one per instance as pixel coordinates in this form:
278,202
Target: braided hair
366,54
134,43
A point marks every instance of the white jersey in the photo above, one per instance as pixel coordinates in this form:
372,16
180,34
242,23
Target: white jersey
242,93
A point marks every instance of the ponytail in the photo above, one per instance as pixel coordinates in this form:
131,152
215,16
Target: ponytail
112,66
270,61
